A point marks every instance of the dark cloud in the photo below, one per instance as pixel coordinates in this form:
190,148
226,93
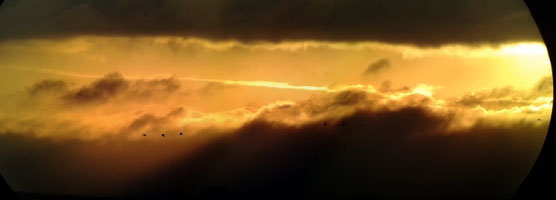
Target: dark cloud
402,153
386,86
544,87
100,90
407,152
494,104
110,86
47,86
142,121
330,104
78,167
422,22
156,123
150,88
492,98
377,66
390,151
349,97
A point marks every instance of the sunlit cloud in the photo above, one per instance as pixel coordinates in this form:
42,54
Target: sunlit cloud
151,102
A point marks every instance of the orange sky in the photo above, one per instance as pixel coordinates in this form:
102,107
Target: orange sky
227,83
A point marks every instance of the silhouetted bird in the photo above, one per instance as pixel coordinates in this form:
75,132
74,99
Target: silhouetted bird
163,135
324,123
144,134
539,119
181,133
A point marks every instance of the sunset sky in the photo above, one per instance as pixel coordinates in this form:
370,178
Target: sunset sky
454,94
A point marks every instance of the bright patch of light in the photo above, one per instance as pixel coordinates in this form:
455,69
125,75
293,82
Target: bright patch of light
525,49
425,90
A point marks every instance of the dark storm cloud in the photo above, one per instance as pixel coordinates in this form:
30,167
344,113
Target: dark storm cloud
377,66
421,22
370,152
95,168
367,153
374,151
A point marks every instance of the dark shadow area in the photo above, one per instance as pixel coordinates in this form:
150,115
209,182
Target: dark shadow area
400,154
541,181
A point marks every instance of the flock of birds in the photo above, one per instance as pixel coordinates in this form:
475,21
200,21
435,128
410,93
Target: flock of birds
181,133
163,135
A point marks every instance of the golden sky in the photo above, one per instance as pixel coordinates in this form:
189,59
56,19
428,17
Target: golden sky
213,82
95,96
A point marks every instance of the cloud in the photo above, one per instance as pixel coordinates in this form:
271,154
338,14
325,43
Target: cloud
155,123
374,144
508,97
545,87
423,22
377,66
212,87
101,108
83,167
386,86
47,86
349,97
105,88
367,153
100,90
150,88
115,105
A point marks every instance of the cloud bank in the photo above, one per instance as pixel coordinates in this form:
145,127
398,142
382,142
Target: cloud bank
354,142
423,22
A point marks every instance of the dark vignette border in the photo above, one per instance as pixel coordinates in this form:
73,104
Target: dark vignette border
539,184
5,191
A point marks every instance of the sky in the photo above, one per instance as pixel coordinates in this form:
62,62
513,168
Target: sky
290,98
